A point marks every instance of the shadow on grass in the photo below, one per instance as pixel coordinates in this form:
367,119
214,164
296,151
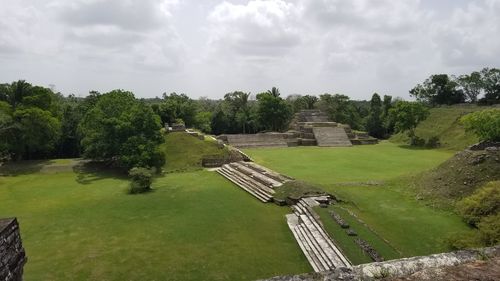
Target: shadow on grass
412,147
24,167
89,172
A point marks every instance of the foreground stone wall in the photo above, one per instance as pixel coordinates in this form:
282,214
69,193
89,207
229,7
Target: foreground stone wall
399,268
12,254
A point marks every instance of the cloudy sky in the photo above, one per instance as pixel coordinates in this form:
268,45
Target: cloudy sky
211,47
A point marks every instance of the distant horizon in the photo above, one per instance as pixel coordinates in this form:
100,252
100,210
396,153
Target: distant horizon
209,48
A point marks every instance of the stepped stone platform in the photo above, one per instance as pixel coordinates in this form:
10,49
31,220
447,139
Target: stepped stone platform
254,179
331,136
255,140
308,128
317,246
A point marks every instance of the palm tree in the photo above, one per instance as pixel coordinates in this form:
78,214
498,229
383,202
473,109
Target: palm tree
15,92
275,92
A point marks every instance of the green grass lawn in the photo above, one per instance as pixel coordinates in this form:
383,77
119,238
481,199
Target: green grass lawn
373,181
348,164
194,226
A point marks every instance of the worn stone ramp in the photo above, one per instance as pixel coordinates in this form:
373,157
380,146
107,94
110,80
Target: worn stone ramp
331,136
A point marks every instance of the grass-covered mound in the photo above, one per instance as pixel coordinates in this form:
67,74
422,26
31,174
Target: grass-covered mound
459,176
444,123
83,225
296,190
185,152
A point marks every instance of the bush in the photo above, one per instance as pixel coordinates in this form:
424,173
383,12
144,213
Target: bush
489,230
142,178
433,142
485,124
482,203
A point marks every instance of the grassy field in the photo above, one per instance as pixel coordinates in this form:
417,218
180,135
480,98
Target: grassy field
373,181
194,226
443,122
348,164
79,223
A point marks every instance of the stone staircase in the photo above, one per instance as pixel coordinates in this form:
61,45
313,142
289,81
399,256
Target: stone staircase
331,136
255,140
315,243
254,179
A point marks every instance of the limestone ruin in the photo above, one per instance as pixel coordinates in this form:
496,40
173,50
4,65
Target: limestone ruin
308,128
12,254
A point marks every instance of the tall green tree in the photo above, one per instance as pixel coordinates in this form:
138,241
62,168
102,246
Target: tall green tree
374,124
438,89
122,130
407,115
341,109
491,85
30,122
471,85
175,106
273,112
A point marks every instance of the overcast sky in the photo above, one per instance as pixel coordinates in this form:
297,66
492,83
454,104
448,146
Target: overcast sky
211,47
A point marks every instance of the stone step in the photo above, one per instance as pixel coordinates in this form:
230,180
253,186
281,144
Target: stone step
292,221
262,178
243,186
270,173
250,180
259,194
338,257
331,136
316,245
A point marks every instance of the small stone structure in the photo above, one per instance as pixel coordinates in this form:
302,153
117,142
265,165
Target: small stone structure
12,254
177,127
403,267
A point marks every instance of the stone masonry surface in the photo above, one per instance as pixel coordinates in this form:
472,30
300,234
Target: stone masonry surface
12,254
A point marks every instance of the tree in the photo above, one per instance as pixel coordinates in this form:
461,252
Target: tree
219,122
176,106
438,89
386,107
341,109
122,130
30,122
39,131
273,112
491,85
374,124
407,115
471,85
275,92
239,110
202,121
485,124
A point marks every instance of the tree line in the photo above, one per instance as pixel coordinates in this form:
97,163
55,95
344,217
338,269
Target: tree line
37,123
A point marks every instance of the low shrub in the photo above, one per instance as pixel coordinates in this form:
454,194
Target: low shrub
142,178
485,124
482,203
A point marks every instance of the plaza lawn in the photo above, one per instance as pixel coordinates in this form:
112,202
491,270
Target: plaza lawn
193,226
374,180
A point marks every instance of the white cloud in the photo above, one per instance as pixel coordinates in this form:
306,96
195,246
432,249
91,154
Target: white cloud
211,47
